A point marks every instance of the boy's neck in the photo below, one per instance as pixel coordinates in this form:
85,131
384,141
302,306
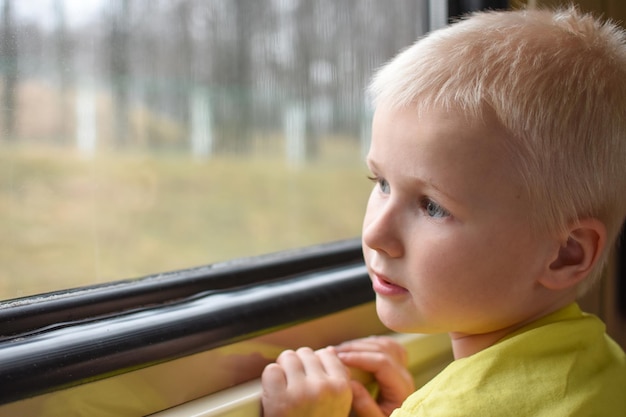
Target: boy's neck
464,345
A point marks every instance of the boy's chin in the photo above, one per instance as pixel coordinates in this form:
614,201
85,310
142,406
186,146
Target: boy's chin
394,319
404,320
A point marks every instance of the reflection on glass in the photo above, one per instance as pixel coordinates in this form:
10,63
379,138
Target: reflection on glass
141,136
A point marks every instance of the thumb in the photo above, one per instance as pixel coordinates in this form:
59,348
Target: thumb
363,404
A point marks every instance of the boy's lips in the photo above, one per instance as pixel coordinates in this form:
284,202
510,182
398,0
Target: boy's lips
383,286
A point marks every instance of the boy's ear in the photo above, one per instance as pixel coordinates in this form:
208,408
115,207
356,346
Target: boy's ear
576,256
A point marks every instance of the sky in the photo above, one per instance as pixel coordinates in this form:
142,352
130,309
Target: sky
78,12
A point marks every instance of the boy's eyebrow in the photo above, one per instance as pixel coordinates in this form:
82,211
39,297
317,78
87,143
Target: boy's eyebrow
374,167
441,191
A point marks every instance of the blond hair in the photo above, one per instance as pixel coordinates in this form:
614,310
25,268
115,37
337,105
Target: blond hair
556,80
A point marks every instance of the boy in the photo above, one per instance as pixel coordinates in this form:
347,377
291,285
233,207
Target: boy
499,157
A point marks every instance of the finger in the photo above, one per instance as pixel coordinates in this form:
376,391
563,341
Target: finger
362,402
392,377
366,343
375,363
382,344
371,339
333,366
273,378
391,345
290,361
368,361
374,344
311,363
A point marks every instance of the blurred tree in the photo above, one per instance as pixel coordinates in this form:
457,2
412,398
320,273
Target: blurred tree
63,55
305,54
244,15
9,61
119,68
183,13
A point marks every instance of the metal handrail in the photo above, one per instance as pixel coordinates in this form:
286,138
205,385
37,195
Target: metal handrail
94,348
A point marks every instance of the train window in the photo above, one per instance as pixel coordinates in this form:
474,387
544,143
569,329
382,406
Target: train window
141,136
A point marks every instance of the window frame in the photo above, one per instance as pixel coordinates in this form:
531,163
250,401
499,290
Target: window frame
69,338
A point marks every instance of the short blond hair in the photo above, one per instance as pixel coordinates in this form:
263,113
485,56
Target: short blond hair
556,80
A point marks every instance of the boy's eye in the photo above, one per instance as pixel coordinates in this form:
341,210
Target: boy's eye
382,184
433,209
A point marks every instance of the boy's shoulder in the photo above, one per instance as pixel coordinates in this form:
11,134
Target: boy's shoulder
562,365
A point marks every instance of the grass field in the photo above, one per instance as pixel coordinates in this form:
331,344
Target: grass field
67,221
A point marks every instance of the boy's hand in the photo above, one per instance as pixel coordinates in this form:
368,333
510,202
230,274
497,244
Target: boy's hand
387,361
306,384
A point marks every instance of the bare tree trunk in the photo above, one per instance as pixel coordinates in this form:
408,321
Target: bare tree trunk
119,68
304,49
242,70
9,56
186,49
63,67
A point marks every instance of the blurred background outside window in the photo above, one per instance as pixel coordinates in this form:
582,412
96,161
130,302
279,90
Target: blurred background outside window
144,136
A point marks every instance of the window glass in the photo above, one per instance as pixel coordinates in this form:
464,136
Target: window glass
143,136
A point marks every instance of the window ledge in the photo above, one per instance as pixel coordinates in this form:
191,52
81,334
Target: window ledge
428,354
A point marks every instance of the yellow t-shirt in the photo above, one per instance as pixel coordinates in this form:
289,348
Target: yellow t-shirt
564,364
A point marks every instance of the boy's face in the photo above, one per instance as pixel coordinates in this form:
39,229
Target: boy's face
446,234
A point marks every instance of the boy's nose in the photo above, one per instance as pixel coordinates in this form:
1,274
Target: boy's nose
381,231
